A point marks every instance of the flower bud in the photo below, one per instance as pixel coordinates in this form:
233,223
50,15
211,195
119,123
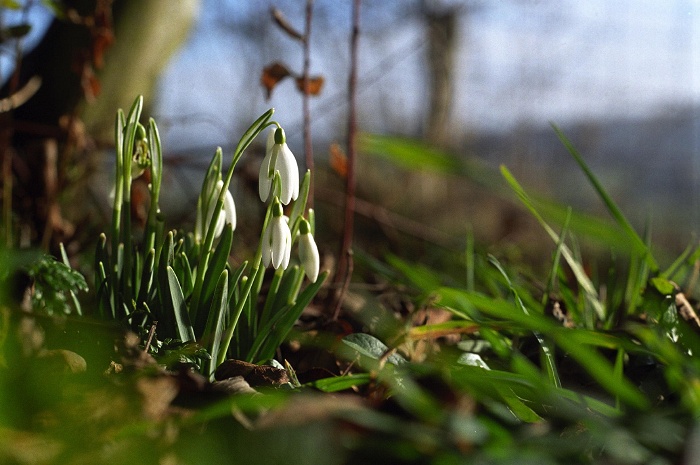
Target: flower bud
308,252
278,158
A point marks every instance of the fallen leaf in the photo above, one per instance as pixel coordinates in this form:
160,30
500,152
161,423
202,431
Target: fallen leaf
309,409
255,375
158,392
234,385
65,360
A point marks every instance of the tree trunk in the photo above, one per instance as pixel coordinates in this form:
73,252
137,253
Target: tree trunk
88,70
441,35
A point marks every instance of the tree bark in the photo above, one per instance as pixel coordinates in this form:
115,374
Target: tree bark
441,37
88,69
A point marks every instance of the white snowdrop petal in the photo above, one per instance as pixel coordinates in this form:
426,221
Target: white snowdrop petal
220,222
309,257
288,248
277,243
230,210
264,180
266,247
289,174
292,173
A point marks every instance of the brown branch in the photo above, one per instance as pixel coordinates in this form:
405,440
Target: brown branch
308,146
21,96
344,272
151,333
283,24
6,187
345,286
686,310
391,221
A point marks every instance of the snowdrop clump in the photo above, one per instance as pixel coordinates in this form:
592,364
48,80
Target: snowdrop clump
278,183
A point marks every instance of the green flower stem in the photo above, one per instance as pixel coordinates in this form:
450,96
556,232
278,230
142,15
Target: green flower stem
300,205
271,295
296,287
245,294
228,335
117,211
102,276
251,309
156,151
206,250
129,139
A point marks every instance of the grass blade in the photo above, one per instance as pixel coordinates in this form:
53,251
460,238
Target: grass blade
576,267
595,364
546,351
639,246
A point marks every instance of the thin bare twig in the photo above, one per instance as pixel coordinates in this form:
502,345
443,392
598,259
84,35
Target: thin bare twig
391,222
151,333
686,310
344,272
19,98
345,285
6,186
282,22
308,146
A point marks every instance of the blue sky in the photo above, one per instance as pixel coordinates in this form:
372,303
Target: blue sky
39,18
585,59
520,62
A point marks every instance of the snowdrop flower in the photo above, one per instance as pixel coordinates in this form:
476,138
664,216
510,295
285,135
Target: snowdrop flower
226,215
277,239
278,158
141,158
308,252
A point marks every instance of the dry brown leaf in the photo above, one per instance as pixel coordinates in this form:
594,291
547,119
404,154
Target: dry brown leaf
233,385
272,75
103,33
158,392
338,160
309,409
255,375
313,87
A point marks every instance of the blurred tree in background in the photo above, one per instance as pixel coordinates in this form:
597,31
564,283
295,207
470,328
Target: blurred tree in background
94,57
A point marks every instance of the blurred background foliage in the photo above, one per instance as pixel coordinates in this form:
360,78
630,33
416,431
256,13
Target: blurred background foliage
465,77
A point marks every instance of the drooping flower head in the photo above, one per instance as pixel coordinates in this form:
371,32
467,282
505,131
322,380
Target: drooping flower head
277,239
278,158
227,214
308,251
141,158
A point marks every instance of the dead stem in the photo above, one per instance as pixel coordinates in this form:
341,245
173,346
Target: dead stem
344,272
305,95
